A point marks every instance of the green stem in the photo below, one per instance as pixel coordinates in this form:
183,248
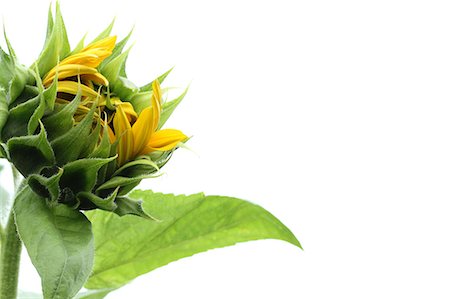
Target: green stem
10,261
11,247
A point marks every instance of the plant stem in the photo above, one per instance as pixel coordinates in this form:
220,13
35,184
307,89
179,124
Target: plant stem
11,247
10,261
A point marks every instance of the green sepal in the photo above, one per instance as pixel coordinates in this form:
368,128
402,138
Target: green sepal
169,107
13,76
47,187
91,141
160,158
81,175
105,33
137,167
50,24
112,166
33,123
112,70
149,87
19,116
7,69
29,92
56,47
127,206
104,148
140,101
79,46
116,52
62,121
50,93
123,182
30,154
119,85
4,153
69,146
106,203
4,111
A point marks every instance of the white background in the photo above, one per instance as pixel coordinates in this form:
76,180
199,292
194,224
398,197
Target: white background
333,115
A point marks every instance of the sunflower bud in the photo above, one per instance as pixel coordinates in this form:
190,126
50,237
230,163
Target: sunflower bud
77,128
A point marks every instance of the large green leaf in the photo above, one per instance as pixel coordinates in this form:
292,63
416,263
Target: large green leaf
94,294
59,242
130,246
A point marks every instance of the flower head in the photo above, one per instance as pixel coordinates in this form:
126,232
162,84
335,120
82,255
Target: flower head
77,128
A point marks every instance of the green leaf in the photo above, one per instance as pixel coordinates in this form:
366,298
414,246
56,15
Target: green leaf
127,247
59,242
94,294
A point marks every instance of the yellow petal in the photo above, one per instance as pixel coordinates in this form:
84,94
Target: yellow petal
107,43
93,54
90,58
67,70
72,87
122,130
156,100
97,78
112,137
142,130
163,140
128,109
